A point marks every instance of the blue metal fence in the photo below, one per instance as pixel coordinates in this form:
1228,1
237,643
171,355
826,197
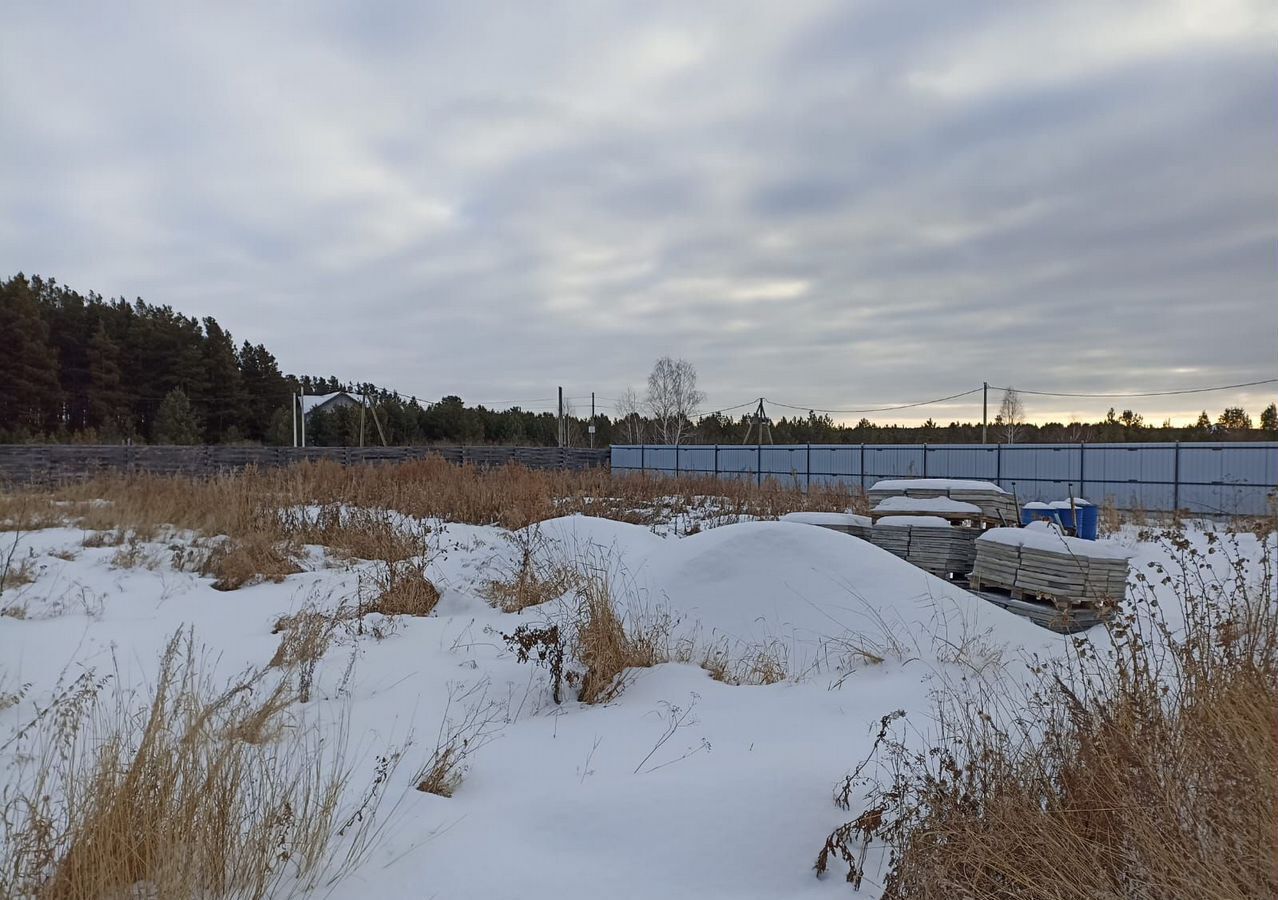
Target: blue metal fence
1211,478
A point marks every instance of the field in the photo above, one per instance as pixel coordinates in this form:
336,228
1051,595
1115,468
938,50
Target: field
430,681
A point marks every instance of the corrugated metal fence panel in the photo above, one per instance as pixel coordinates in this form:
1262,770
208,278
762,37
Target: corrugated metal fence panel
1039,471
661,459
787,465
836,464
1134,475
893,461
626,458
739,462
697,460
1218,477
962,461
1200,478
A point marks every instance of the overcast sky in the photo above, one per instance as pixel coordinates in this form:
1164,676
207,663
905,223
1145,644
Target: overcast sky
831,204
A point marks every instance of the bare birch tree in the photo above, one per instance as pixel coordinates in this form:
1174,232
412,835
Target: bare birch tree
629,412
673,398
1011,415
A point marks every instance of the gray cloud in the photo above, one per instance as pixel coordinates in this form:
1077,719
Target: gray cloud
832,205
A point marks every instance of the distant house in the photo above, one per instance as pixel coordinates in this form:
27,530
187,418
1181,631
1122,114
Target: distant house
312,403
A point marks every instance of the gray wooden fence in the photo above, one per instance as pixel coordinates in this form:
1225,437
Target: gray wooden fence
52,463
1230,478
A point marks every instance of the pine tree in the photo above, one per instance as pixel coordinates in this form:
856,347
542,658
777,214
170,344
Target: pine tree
30,395
267,393
224,386
1234,418
176,421
107,401
1269,418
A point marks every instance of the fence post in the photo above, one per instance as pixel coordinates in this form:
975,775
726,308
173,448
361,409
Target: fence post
807,474
758,464
863,468
643,465
676,462
924,460
1176,479
716,462
998,464
1082,472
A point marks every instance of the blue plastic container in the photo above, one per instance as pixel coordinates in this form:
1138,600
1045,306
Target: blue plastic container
1088,520
1032,512
1064,512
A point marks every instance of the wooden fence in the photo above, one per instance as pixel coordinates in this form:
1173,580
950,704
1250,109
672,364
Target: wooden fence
53,463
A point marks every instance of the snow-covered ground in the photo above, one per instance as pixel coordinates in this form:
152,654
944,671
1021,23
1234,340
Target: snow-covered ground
682,787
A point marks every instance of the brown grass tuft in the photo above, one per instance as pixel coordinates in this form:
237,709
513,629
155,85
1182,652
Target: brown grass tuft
607,646
401,588
536,575
250,560
167,797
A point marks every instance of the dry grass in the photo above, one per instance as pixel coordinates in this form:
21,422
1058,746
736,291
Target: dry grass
15,573
28,511
510,496
537,575
1150,770
459,738
401,588
608,643
305,637
266,515
251,559
168,799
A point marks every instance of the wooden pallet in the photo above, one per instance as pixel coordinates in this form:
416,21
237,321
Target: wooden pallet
1065,620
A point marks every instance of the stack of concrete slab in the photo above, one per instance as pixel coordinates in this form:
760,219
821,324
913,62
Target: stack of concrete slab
995,505
929,542
944,507
1038,562
848,523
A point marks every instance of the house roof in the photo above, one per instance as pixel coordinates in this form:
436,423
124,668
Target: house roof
312,402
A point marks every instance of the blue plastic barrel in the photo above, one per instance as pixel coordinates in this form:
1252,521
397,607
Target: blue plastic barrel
1088,520
1064,512
1032,512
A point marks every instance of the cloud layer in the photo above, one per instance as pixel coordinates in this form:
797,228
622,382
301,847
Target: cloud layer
833,205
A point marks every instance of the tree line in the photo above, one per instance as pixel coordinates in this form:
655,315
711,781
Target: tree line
79,367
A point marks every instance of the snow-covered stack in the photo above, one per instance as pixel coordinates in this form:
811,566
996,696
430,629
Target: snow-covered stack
995,504
1040,561
929,542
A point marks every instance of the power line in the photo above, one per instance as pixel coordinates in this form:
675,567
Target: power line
1205,390
877,408
715,412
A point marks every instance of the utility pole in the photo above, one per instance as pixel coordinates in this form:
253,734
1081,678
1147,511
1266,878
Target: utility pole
363,405
985,409
294,405
561,415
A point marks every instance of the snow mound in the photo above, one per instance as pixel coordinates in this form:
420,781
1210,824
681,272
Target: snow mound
762,582
588,533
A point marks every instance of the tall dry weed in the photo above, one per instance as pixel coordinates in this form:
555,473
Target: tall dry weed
196,792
